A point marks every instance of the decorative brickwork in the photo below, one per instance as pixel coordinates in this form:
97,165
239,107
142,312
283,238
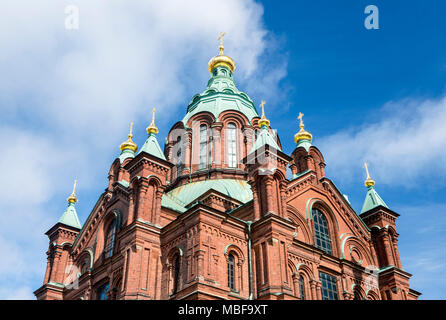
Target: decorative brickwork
173,229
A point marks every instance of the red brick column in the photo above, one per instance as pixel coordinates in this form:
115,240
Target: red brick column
157,205
387,249
141,202
186,141
395,250
284,213
268,180
296,288
314,295
255,199
131,212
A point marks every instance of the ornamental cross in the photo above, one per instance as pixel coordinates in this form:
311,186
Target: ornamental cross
131,129
366,166
300,117
262,104
221,48
220,38
74,186
153,115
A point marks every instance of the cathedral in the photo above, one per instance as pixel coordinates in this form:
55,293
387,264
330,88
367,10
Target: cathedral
223,213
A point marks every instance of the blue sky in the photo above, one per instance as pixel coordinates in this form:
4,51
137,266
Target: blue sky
67,97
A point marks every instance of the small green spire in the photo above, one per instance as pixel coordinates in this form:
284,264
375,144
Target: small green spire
151,146
372,199
69,217
264,137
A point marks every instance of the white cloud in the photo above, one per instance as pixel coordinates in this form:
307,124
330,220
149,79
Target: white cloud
67,97
404,145
21,293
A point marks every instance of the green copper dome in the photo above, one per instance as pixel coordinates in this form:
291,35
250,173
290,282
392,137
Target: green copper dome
178,198
220,95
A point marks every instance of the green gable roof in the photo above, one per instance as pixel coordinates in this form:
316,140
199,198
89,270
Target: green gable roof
372,200
69,217
152,147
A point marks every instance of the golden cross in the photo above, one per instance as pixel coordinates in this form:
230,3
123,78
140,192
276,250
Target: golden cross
153,116
74,187
221,48
222,34
262,104
300,117
366,166
131,128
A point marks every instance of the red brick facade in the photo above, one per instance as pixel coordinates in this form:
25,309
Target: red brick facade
221,247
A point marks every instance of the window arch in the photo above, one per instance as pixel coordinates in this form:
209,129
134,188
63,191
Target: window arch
302,287
179,151
321,231
85,264
202,163
109,242
357,295
231,272
232,145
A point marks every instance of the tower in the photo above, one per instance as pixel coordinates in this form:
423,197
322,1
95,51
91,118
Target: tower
393,280
59,271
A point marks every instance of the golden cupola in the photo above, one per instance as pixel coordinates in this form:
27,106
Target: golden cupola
221,59
302,134
152,128
129,144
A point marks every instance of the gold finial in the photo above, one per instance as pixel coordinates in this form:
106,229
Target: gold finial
302,134
152,127
220,38
129,144
263,120
221,59
369,182
72,198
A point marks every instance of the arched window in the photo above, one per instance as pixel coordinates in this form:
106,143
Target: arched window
357,295
203,147
176,274
102,292
232,145
110,239
231,272
321,231
302,287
